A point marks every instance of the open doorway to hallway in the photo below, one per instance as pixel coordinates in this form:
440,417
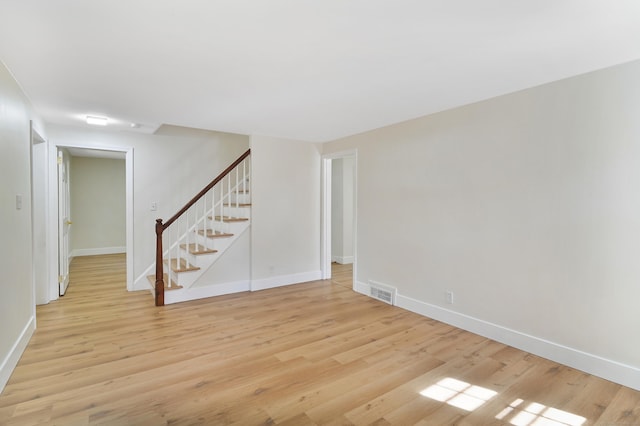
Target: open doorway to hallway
339,213
97,192
96,216
342,209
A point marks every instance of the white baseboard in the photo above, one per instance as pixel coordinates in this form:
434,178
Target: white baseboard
202,291
343,260
11,359
98,251
193,293
361,287
283,280
614,371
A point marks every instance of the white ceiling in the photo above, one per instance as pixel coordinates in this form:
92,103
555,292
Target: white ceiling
314,70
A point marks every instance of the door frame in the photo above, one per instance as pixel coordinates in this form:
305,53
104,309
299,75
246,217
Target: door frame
39,210
325,237
53,210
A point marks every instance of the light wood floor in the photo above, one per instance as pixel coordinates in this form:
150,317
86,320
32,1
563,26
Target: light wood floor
305,354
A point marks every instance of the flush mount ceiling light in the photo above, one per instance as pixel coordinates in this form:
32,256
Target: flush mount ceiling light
97,121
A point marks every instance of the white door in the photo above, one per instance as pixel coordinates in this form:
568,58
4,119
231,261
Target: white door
64,222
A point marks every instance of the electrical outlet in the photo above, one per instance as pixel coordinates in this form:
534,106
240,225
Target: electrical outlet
449,297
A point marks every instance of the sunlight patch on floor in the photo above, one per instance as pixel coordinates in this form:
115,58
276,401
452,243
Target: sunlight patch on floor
536,414
470,397
458,394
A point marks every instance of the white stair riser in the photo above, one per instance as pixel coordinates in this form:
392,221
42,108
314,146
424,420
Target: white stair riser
185,279
219,244
237,212
228,227
201,260
240,198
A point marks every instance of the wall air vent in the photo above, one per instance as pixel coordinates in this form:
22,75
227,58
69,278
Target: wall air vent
382,292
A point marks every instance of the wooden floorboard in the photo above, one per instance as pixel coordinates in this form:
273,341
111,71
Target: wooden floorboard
307,354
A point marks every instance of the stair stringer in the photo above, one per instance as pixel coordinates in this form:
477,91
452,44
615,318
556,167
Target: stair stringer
223,276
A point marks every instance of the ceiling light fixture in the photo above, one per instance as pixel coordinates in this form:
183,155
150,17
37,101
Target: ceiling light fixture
97,121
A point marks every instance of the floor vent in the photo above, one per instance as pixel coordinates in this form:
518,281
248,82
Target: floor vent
382,292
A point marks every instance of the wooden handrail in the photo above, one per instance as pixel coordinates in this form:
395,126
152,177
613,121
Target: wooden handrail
206,189
160,227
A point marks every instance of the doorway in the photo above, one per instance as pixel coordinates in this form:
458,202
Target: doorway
339,224
59,255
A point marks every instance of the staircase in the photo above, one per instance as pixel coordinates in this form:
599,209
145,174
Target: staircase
201,232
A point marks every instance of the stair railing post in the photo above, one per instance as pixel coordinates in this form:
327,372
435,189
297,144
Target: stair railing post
159,287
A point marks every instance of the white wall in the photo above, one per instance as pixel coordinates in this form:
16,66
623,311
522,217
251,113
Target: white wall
98,202
168,170
17,303
285,224
526,207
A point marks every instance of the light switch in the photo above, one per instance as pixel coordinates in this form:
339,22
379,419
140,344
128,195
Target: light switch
154,206
18,202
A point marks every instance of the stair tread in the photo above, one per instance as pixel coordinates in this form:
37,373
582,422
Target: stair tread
181,266
210,233
196,249
175,286
229,219
238,205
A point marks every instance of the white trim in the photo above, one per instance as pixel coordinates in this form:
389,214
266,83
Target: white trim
341,154
283,280
203,291
98,251
11,360
193,293
343,260
362,288
614,371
